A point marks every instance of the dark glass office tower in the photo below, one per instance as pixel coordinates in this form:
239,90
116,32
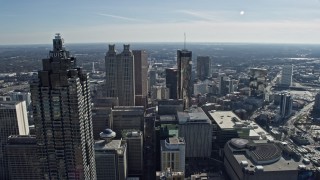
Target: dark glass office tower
62,115
171,82
184,62
203,67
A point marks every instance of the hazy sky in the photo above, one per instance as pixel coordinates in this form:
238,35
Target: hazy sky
262,21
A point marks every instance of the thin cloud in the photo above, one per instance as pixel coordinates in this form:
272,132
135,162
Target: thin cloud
120,17
200,15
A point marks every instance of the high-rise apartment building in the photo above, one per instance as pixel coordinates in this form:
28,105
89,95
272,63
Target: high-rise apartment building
203,67
22,160
184,61
13,121
171,82
141,73
120,75
286,75
62,114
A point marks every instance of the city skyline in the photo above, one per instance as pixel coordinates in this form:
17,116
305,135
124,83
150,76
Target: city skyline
142,21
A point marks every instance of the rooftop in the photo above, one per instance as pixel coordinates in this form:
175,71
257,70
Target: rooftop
224,119
261,154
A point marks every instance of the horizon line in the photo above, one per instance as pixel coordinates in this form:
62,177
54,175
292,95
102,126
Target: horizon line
168,42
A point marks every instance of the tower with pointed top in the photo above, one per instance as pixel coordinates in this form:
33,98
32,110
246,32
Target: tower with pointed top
184,63
62,114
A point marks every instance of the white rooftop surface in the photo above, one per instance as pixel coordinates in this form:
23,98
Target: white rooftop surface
281,165
228,120
224,119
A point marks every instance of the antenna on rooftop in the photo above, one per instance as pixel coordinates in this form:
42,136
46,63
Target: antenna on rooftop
185,39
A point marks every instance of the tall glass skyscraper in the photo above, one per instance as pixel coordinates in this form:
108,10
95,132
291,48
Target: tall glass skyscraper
184,62
62,115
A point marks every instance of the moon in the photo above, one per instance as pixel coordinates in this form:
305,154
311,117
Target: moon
241,13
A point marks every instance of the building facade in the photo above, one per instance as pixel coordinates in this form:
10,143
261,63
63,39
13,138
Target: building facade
61,105
173,154
203,67
134,140
127,117
196,129
171,82
22,160
263,160
13,121
286,75
120,75
285,105
141,73
111,157
184,63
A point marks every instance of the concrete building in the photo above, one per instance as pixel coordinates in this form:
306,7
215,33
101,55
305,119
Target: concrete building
285,105
141,75
200,88
22,160
258,82
120,75
61,105
286,75
159,92
134,140
152,78
184,63
173,154
13,121
203,67
127,117
225,85
111,157
227,125
196,129
263,160
170,106
168,174
102,114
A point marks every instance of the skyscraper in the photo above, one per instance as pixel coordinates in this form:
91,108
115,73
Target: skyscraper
184,61
134,139
171,82
286,75
285,105
203,67
62,114
13,121
120,75
141,73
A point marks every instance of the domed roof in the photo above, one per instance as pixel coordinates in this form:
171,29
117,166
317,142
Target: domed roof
107,133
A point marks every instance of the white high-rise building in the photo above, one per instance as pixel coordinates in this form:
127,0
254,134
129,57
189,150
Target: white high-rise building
286,75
